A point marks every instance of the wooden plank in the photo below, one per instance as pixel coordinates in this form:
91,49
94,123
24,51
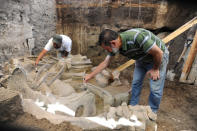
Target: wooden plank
165,40
125,65
190,60
180,30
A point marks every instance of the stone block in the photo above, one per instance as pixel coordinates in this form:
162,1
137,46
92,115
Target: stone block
101,80
121,97
10,105
61,89
112,113
119,111
83,103
126,111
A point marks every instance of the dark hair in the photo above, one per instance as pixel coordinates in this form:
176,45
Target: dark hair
106,36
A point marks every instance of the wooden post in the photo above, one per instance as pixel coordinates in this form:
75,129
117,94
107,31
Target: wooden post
190,60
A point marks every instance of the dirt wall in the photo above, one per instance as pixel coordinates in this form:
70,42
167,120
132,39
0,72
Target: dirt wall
83,20
25,25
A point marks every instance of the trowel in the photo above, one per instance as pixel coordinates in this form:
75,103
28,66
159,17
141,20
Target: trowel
84,83
36,69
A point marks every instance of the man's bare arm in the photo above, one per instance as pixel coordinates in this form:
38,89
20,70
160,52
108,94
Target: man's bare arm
157,54
98,69
40,56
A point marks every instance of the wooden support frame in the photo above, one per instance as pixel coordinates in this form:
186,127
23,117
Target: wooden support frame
190,60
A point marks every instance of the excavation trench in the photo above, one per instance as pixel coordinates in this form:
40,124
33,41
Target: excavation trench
55,91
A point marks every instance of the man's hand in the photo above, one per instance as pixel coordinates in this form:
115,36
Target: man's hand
64,53
36,63
40,56
98,69
87,77
153,74
157,54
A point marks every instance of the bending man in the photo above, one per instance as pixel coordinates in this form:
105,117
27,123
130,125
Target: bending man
60,42
151,57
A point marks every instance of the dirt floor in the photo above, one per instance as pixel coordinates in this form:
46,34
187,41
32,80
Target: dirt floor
178,109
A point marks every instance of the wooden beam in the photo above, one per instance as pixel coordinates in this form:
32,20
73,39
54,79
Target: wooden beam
125,65
190,60
180,30
165,40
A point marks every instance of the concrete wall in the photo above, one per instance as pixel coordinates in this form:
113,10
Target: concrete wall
24,25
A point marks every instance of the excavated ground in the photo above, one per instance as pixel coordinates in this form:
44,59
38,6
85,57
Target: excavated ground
178,110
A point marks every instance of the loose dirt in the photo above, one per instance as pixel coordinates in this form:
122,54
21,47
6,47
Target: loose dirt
178,108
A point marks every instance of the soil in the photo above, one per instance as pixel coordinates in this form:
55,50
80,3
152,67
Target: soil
28,122
178,108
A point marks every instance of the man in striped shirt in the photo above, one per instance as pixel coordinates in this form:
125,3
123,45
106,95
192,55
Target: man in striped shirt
151,57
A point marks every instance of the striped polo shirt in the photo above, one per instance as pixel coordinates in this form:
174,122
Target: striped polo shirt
137,42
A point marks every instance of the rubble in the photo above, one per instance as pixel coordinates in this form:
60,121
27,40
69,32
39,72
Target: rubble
133,117
10,104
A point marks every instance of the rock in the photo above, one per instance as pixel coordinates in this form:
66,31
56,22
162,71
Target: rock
83,103
10,105
112,113
61,89
106,74
121,97
101,80
170,75
116,82
119,111
45,89
82,122
1,74
105,95
126,111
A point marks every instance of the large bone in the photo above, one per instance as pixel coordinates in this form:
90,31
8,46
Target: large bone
107,97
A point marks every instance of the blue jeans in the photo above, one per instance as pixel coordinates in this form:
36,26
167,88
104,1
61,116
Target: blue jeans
156,87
